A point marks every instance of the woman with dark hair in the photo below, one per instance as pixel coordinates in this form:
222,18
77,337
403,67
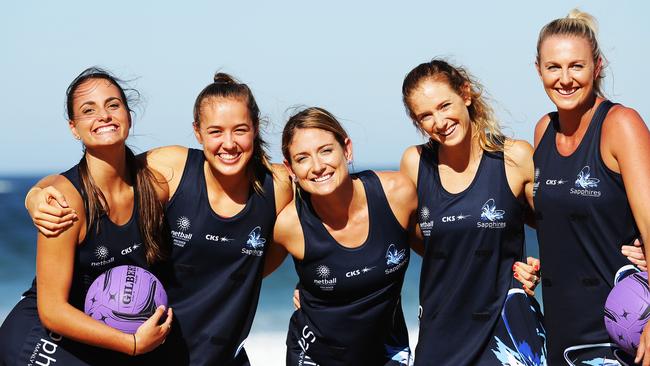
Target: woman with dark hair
592,162
221,208
474,186
348,236
117,201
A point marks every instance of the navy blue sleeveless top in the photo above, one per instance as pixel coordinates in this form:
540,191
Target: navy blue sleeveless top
583,218
471,239
217,264
350,297
106,245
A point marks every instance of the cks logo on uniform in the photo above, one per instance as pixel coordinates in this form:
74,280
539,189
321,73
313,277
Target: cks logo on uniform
102,253
395,259
255,243
490,216
584,183
426,224
181,236
324,281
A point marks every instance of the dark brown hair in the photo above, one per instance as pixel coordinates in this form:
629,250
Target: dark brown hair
150,211
227,87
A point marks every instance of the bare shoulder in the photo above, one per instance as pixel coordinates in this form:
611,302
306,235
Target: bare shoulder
519,152
623,121
410,162
540,127
280,176
167,159
282,186
72,196
397,186
287,225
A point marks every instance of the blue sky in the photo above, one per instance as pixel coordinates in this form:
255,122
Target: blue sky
348,57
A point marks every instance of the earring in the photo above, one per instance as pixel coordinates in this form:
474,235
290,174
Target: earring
349,161
294,179
77,137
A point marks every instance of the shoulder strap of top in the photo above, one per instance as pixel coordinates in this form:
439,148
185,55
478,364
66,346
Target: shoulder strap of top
597,122
191,173
427,167
72,175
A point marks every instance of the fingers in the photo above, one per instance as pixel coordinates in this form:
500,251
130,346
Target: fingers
527,276
533,262
296,299
635,255
642,353
167,325
54,194
155,318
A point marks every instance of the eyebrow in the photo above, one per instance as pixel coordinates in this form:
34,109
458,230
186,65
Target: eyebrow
90,102
319,148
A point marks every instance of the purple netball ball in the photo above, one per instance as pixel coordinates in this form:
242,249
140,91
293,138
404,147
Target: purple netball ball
124,297
627,310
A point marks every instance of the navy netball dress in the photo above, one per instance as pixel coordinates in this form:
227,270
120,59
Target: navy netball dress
350,307
218,266
472,311
583,218
24,340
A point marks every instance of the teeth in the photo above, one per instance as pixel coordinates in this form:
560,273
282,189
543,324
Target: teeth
448,131
228,156
323,178
105,129
567,91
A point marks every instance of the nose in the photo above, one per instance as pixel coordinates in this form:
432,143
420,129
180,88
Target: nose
565,78
319,166
228,141
104,115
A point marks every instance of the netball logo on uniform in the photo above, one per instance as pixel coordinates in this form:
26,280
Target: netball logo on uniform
325,282
426,224
584,182
395,259
180,236
255,243
490,216
102,253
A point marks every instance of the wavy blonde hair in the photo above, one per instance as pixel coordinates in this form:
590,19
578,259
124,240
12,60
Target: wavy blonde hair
582,25
490,136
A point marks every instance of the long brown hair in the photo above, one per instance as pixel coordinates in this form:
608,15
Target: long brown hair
227,87
151,222
491,138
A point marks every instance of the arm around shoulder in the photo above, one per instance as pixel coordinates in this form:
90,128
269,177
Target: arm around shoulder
627,139
282,186
288,232
410,163
540,128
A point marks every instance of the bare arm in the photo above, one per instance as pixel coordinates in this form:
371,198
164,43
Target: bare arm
275,254
409,166
625,138
54,270
403,200
48,208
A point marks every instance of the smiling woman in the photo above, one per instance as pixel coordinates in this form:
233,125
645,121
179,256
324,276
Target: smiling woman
592,162
348,236
473,188
117,200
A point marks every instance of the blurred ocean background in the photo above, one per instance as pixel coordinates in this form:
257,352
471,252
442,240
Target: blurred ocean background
266,344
